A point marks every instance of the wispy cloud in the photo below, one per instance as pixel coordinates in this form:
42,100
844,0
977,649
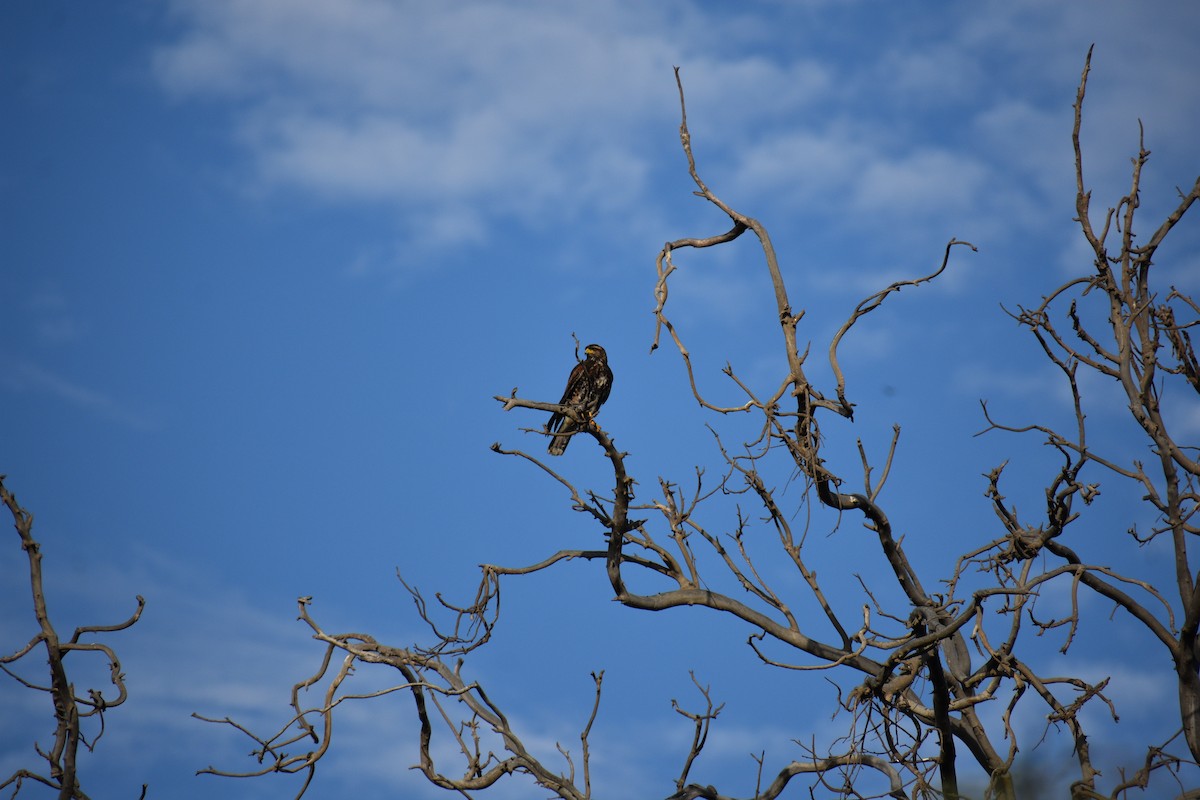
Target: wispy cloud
52,320
471,116
986,382
25,376
453,115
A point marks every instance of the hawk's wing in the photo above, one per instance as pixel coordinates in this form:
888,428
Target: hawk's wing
572,396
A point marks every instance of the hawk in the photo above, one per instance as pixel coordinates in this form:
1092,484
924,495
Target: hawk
587,389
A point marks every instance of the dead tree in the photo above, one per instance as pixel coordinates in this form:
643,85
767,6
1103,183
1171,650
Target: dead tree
71,709
922,668
1124,325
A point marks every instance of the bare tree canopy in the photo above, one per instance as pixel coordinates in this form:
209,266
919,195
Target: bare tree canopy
931,667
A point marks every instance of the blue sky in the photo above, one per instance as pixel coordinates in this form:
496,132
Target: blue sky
264,265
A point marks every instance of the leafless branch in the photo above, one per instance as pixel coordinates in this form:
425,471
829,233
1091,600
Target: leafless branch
70,707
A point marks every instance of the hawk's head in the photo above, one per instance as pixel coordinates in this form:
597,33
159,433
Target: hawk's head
595,351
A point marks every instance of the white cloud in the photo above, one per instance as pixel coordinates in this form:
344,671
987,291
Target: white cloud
931,73
802,166
25,376
935,181
522,110
1187,417
1030,140
472,115
53,321
988,381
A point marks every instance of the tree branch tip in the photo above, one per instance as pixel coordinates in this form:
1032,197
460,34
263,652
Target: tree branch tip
509,402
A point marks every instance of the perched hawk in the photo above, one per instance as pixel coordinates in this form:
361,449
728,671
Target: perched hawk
587,389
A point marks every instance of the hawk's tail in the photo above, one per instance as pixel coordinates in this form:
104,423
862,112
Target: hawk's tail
558,445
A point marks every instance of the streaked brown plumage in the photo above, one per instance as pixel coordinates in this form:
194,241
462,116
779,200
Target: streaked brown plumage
587,389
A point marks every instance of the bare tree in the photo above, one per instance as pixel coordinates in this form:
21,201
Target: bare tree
71,708
937,674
